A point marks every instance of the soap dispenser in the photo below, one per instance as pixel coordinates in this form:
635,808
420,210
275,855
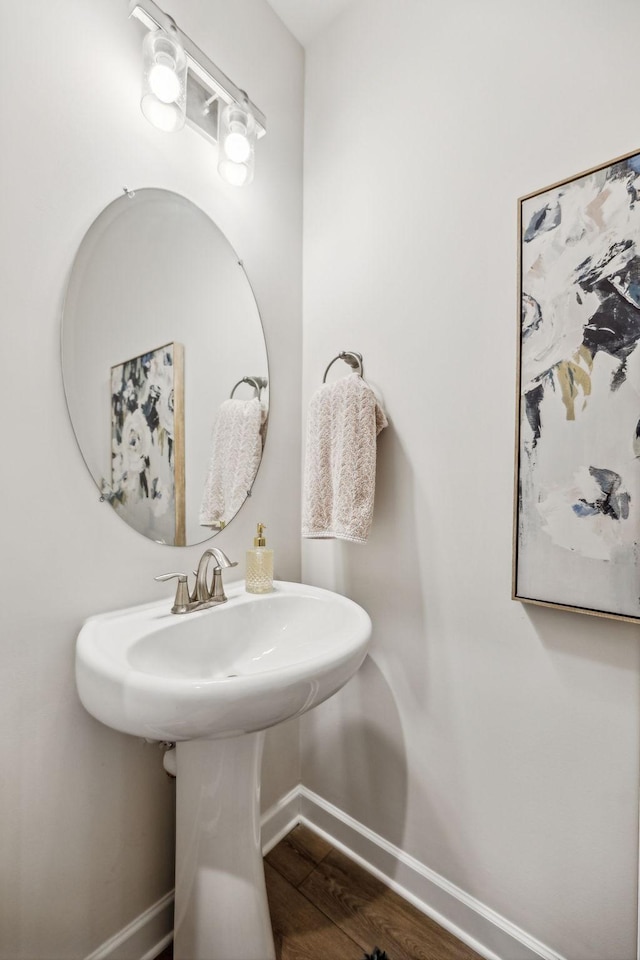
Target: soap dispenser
259,573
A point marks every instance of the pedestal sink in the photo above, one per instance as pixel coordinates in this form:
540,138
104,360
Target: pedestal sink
213,681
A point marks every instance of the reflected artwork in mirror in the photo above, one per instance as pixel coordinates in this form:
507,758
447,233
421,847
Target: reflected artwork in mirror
165,367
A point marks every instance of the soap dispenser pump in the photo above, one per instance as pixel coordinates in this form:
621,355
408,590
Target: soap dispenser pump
259,573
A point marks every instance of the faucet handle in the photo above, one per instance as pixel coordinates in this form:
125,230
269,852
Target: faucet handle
182,600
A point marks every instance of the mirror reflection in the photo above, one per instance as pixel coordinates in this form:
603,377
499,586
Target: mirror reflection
165,367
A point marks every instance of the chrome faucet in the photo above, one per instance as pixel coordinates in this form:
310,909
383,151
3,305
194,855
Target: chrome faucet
203,596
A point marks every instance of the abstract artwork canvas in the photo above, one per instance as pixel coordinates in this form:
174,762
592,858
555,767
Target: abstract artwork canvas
147,443
577,496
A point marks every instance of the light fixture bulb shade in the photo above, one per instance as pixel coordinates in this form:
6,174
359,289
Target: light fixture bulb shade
237,174
236,143
164,80
237,147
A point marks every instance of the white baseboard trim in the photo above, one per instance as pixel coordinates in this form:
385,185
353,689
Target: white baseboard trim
278,820
484,930
144,937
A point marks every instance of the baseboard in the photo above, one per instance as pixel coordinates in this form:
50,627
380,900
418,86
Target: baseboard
144,937
278,820
485,931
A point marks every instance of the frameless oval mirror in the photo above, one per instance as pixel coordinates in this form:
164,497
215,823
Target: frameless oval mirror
165,367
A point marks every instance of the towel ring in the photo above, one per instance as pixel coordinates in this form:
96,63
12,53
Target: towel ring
258,384
352,358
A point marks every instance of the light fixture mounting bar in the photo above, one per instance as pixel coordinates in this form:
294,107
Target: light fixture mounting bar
206,72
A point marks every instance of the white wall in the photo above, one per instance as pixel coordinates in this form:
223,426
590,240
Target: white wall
495,743
86,815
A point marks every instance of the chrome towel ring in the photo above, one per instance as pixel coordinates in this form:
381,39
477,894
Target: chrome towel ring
352,358
258,384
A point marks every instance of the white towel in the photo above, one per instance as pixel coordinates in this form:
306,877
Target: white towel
340,463
236,449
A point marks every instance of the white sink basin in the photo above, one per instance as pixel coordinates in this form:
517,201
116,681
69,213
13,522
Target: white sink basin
233,669
214,680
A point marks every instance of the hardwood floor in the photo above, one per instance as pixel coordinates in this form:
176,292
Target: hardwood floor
325,907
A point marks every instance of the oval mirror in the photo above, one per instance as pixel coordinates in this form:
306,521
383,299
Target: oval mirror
165,367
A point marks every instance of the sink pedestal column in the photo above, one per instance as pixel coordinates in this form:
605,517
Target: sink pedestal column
221,910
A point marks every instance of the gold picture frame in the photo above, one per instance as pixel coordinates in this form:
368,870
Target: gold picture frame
147,443
576,518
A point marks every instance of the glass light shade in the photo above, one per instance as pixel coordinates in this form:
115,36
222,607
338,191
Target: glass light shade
164,80
237,174
236,143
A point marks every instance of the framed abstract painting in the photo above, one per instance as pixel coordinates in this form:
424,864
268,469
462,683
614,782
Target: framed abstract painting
577,489
147,443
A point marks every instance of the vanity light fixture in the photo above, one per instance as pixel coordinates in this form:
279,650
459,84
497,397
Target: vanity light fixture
180,82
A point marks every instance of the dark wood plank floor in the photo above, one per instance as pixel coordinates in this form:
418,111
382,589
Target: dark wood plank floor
323,905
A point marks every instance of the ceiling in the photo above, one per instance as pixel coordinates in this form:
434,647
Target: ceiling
306,18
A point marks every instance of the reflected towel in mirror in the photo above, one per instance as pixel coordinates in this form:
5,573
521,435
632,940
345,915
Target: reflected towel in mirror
344,420
236,449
